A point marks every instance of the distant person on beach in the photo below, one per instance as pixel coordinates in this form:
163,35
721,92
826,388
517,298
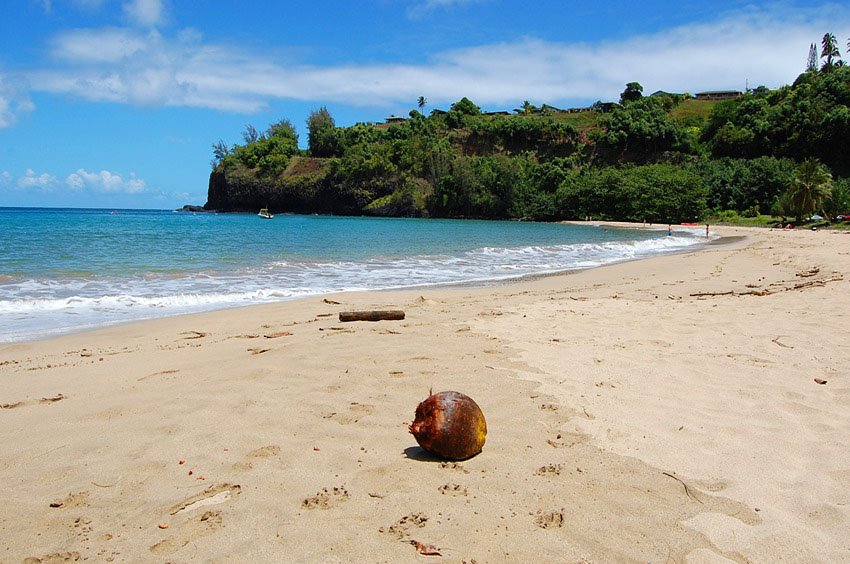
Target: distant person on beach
669,229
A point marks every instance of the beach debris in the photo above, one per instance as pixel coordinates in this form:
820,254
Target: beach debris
194,334
783,345
687,489
163,525
779,287
425,549
331,302
277,334
213,495
820,381
53,399
258,350
808,273
181,461
449,425
372,315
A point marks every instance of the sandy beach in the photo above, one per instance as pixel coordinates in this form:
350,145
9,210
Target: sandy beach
687,408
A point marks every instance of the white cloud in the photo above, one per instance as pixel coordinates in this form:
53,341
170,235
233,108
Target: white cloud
13,100
33,180
144,12
765,46
5,178
104,181
96,46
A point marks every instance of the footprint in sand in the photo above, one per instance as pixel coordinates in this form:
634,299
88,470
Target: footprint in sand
550,470
454,466
55,558
79,499
355,412
401,528
192,530
549,519
326,498
567,440
269,451
196,526
453,490
265,452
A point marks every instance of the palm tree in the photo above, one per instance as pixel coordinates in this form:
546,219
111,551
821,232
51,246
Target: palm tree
421,102
829,50
810,188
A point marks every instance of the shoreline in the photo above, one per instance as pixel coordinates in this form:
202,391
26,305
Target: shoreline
121,317
650,409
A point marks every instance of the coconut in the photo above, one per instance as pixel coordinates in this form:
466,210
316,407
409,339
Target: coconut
450,425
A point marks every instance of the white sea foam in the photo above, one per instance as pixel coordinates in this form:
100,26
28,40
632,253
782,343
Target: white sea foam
38,308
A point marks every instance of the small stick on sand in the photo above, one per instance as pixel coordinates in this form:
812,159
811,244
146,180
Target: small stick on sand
371,315
687,489
783,345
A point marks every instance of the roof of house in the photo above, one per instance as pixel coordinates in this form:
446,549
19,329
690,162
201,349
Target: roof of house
718,92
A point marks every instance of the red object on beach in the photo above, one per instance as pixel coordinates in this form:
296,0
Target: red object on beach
450,425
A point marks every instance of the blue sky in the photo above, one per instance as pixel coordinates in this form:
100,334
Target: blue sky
116,103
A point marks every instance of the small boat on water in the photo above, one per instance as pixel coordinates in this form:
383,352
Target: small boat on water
265,214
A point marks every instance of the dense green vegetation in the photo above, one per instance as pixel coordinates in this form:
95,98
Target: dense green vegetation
663,158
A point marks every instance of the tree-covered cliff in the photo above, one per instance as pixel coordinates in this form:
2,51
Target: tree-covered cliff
659,158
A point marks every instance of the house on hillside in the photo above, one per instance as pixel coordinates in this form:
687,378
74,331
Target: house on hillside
394,120
660,93
717,95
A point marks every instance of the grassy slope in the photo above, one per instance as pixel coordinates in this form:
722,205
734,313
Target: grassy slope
691,111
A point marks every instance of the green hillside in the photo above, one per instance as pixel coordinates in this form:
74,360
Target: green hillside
659,158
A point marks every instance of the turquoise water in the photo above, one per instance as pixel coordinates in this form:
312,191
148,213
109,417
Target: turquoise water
64,270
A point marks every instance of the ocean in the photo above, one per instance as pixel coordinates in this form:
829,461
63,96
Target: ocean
68,270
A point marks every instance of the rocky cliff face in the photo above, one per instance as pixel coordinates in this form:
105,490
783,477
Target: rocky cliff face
308,185
218,197
299,189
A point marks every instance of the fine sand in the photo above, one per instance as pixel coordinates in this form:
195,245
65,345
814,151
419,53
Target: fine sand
688,408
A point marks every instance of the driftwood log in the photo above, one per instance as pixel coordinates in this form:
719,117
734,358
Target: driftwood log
371,315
